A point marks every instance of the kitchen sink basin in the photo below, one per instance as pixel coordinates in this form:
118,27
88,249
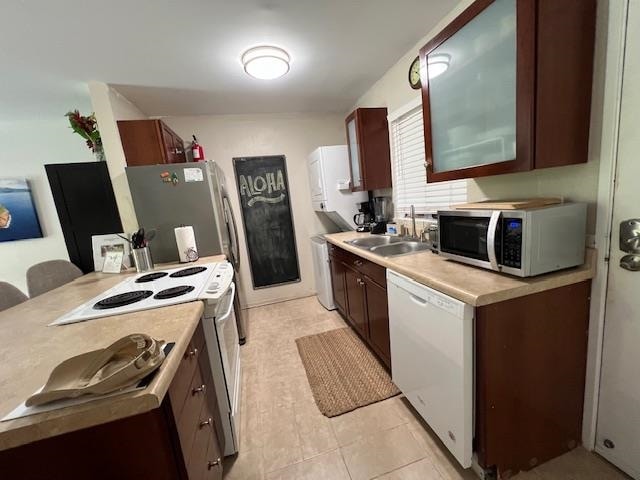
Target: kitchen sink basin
400,248
374,241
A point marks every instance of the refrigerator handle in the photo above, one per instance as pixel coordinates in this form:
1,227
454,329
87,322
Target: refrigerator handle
231,220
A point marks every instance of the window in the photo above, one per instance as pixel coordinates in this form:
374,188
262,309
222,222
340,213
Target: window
410,185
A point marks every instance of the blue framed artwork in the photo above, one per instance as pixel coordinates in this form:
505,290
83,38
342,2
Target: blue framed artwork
18,216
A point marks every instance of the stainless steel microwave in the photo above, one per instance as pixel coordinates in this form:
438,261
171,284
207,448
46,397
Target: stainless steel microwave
519,242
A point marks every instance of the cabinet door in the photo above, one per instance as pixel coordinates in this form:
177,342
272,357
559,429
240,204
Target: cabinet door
378,315
168,144
142,142
356,311
179,155
354,153
469,100
338,285
86,205
315,179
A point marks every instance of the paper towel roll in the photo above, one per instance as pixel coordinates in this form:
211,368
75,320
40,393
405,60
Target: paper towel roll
186,242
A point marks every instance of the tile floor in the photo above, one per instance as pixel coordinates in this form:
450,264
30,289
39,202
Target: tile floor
284,436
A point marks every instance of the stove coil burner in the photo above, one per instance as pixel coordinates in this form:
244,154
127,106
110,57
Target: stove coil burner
122,299
187,271
150,277
174,292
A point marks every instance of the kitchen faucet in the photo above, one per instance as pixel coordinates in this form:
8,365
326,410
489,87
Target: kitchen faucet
413,222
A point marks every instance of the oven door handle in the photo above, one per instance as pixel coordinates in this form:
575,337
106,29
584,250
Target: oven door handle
491,239
222,318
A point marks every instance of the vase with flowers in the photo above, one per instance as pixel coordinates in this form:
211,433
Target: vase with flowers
87,128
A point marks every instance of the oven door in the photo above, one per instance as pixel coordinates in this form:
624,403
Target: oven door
471,236
227,333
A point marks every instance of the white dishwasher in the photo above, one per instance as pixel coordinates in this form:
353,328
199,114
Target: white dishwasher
432,359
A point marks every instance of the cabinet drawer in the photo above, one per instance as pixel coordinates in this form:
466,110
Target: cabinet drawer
188,421
333,250
179,387
342,254
375,272
211,398
213,461
372,270
197,460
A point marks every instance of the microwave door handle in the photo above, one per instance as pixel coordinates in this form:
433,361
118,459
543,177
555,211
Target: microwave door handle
491,239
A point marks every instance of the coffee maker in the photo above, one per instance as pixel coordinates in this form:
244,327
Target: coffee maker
382,213
364,217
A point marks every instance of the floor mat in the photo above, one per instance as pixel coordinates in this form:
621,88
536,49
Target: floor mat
342,372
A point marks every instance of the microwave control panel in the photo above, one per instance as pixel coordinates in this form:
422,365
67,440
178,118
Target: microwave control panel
512,242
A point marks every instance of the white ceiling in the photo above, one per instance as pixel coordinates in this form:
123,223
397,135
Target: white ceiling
178,57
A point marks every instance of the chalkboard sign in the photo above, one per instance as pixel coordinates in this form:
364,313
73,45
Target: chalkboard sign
263,188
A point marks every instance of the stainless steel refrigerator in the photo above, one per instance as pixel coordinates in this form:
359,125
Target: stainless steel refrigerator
168,196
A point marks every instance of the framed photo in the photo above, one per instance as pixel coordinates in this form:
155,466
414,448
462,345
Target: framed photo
18,216
103,244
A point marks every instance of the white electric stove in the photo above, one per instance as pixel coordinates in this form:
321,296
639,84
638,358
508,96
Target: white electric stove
160,288
211,282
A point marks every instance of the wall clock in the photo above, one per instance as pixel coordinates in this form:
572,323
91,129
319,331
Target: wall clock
414,74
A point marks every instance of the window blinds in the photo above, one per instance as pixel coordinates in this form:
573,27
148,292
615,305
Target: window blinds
410,185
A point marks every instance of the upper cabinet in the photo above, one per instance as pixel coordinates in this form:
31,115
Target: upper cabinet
507,88
150,142
368,142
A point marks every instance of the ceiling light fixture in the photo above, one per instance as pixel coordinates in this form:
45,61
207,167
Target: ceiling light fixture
437,64
266,63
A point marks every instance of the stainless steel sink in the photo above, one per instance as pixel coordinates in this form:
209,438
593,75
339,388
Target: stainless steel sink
374,241
400,248
387,246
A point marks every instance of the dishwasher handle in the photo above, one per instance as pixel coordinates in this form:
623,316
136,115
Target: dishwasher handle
420,301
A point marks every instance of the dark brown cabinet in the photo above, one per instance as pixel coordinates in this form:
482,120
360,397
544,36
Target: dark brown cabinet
196,414
529,356
359,288
150,142
180,440
357,308
368,144
507,88
530,364
378,314
338,285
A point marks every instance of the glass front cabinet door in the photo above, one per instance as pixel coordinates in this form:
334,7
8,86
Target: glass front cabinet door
354,153
368,144
482,77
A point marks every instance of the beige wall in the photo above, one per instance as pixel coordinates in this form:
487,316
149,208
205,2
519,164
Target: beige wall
295,136
578,183
26,146
110,107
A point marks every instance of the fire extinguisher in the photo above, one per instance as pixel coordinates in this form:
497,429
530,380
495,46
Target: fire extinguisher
196,150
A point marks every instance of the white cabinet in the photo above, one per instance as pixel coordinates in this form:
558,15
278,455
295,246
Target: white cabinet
329,185
316,181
